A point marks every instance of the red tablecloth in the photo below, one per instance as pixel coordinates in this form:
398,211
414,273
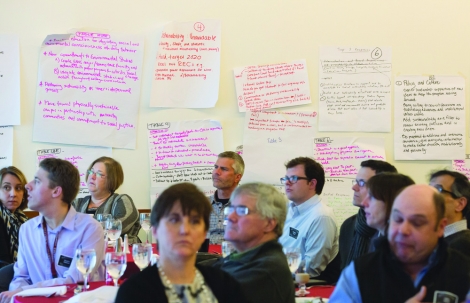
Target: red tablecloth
56,299
323,291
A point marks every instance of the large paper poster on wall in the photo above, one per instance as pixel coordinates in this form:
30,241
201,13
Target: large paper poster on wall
462,165
183,151
80,156
9,80
355,89
341,158
262,87
88,89
271,138
429,118
187,66
6,146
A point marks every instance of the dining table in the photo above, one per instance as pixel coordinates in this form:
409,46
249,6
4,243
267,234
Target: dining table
317,291
130,270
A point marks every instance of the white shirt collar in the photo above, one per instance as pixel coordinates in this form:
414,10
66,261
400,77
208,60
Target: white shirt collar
455,227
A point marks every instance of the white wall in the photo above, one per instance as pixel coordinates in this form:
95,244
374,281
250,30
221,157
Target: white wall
426,36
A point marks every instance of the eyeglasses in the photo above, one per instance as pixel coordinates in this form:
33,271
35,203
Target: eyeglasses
444,191
98,175
240,210
361,182
291,179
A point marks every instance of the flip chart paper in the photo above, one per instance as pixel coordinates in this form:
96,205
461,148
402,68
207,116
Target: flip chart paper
9,80
271,138
462,165
188,57
183,151
6,146
89,89
338,194
341,157
261,87
429,118
355,89
80,156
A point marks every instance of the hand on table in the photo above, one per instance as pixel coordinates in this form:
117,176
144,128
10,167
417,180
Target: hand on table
418,297
5,297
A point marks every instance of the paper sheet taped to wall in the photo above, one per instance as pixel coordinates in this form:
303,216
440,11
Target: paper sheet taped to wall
187,66
262,87
355,89
80,156
6,146
271,138
429,118
9,80
88,89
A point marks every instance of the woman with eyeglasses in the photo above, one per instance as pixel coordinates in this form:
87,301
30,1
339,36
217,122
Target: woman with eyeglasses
103,178
382,189
13,199
180,221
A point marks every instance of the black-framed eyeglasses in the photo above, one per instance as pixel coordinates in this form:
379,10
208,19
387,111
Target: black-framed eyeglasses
361,182
241,210
292,179
99,175
444,191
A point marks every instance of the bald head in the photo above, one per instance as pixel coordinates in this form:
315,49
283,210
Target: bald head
416,223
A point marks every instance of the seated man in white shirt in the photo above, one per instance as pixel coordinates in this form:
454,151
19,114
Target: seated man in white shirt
310,224
455,188
47,243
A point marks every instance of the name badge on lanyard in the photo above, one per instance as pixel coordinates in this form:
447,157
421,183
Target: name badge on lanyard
50,254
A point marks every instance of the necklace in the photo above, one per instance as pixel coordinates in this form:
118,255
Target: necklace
175,297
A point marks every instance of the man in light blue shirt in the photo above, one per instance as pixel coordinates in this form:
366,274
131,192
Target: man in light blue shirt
47,243
310,224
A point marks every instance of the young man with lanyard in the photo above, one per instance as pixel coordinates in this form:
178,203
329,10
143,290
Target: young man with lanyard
227,173
47,243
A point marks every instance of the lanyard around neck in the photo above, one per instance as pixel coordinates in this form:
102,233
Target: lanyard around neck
49,254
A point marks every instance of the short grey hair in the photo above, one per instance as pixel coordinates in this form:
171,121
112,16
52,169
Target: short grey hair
238,165
270,203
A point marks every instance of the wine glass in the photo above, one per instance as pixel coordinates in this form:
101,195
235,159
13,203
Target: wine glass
116,264
302,279
114,227
86,261
103,219
293,258
142,252
145,224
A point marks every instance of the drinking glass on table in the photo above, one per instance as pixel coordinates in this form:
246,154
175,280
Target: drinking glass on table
86,261
142,253
302,279
114,228
103,219
293,258
116,264
145,224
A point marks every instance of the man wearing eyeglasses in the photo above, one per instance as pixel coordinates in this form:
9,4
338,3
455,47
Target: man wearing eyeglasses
355,235
310,224
455,188
256,218
227,173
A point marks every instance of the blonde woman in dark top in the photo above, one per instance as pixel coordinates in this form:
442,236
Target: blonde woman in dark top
103,178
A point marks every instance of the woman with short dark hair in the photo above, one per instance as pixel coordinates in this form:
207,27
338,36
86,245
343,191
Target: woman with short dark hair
103,177
180,220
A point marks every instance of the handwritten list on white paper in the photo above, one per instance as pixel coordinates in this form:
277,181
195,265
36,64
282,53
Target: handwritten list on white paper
462,165
271,138
80,156
188,57
355,89
9,80
6,146
261,87
429,118
89,89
